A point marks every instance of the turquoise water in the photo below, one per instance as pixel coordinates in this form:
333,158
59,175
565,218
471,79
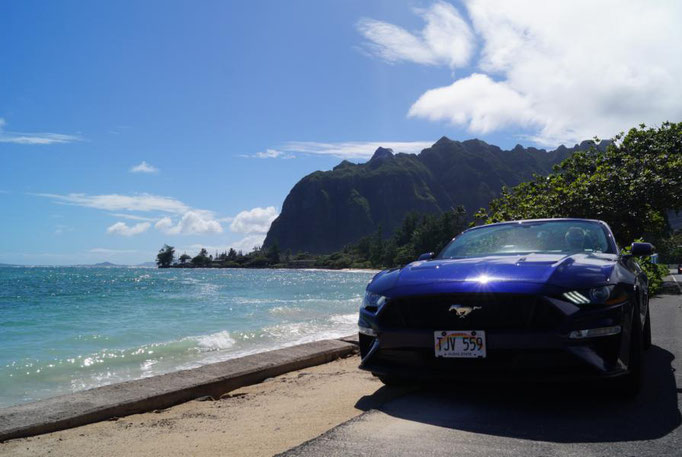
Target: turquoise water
64,329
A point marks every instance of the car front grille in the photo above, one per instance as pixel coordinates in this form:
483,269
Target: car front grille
490,312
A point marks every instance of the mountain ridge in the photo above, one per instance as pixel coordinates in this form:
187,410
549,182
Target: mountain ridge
326,210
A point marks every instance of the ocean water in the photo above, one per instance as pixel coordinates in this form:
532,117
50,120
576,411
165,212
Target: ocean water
65,329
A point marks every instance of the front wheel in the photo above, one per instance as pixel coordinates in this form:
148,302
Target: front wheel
630,384
391,381
646,343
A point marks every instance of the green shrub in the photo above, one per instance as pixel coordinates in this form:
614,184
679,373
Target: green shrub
655,273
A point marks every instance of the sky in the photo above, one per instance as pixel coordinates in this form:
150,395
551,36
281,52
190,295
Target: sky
126,125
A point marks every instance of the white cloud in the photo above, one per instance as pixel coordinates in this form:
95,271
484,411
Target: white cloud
144,167
446,38
121,228
354,149
245,245
562,71
191,223
271,154
133,217
165,224
256,220
60,229
249,242
34,138
477,102
180,218
253,223
117,202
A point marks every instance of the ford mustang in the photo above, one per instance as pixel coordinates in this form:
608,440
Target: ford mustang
545,299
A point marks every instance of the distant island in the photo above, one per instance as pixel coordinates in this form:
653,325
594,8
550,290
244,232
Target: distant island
109,264
92,265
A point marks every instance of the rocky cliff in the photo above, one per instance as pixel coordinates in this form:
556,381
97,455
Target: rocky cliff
328,209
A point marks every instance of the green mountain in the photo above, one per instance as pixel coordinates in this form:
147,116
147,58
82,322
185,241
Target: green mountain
328,209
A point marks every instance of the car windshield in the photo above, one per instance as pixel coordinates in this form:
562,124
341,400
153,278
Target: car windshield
546,237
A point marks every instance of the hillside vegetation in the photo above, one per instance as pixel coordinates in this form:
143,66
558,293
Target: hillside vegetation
327,210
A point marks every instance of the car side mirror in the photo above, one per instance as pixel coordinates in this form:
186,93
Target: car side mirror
641,249
426,256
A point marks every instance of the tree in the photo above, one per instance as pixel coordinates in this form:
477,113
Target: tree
670,249
376,248
184,258
202,259
631,186
165,257
273,253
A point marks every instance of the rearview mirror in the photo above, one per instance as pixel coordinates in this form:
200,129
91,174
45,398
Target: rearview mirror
641,249
426,256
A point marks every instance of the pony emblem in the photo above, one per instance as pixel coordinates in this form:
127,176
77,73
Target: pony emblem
463,311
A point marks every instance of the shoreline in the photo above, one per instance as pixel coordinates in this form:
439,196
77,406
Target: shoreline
259,420
149,267
163,391
189,365
233,267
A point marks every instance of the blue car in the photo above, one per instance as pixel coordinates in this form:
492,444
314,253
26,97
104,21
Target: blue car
542,299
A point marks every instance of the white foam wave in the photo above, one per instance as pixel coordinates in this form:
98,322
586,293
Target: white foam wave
285,310
345,319
215,341
290,334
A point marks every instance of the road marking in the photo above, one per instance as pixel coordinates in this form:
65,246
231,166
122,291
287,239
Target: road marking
678,284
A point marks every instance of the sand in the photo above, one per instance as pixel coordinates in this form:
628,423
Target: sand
259,420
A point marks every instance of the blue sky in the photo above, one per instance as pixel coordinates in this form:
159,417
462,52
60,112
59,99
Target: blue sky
125,125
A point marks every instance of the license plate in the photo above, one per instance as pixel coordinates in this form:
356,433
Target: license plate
466,344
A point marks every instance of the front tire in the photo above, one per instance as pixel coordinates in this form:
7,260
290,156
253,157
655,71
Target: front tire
391,381
646,343
630,384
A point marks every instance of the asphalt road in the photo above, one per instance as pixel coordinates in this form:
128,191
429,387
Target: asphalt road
550,420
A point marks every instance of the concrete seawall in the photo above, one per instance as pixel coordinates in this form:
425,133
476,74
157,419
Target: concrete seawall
163,391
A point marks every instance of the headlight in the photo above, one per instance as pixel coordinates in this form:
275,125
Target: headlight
373,301
600,294
596,295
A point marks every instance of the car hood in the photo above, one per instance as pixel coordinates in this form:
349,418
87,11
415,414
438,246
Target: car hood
504,273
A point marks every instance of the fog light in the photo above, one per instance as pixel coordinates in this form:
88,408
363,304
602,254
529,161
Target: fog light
367,331
594,332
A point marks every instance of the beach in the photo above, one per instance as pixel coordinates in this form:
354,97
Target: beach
258,420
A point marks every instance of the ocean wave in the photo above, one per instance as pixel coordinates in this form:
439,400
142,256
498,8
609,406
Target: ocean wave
113,360
286,310
111,366
117,325
347,319
343,270
215,341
